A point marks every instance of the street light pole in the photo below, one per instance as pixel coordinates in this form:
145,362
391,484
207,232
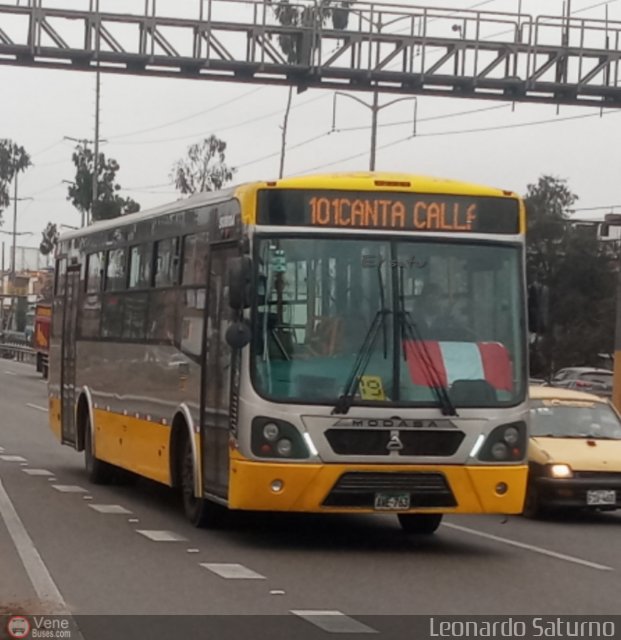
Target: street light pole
14,246
375,109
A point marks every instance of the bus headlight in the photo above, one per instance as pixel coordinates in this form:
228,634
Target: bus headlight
284,447
271,438
506,443
271,431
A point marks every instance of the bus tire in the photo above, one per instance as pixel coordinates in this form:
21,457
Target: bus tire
200,512
420,523
97,471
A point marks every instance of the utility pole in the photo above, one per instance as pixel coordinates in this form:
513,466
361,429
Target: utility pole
96,155
284,134
375,109
13,277
85,141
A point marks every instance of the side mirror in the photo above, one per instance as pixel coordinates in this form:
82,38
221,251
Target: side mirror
240,278
538,308
238,335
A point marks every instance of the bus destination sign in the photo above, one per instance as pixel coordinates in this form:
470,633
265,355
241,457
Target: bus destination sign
389,211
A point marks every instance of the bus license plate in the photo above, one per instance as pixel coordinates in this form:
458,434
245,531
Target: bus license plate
597,497
392,501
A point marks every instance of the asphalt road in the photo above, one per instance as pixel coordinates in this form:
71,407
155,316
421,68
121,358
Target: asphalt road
89,551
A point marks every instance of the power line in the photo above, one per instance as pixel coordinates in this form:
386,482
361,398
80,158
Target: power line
460,132
289,148
608,206
185,118
219,129
428,119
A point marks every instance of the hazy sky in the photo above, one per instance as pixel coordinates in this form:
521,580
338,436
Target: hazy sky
148,123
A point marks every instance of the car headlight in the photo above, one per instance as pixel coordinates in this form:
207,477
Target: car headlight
560,471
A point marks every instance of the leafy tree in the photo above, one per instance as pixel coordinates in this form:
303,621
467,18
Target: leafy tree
13,160
575,268
295,47
204,168
109,203
49,239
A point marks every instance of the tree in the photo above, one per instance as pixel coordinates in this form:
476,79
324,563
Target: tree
13,160
109,203
318,15
575,268
49,239
204,169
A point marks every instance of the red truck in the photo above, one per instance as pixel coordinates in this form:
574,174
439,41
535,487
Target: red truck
41,335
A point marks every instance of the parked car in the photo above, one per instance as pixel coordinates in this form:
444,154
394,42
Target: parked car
588,379
574,452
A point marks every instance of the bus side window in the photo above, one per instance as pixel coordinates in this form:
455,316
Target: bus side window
94,272
195,250
61,270
116,272
166,262
140,264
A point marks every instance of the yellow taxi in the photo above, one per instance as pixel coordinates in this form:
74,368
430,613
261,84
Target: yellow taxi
574,452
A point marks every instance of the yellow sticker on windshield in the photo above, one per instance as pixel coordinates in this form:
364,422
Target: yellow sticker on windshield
371,388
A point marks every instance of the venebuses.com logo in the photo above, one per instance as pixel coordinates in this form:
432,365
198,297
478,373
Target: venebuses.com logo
37,627
18,627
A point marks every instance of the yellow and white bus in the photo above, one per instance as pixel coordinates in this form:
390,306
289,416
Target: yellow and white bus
335,343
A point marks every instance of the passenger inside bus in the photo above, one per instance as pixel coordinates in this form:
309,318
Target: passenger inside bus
435,318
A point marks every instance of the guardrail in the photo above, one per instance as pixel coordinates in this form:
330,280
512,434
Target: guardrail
17,351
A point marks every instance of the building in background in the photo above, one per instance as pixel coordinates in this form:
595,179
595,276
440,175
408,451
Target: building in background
18,294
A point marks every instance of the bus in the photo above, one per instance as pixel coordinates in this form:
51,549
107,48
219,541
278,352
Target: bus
263,348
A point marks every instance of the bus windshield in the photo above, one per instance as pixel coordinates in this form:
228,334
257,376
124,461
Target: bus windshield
397,319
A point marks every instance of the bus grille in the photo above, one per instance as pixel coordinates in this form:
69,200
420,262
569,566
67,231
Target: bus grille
374,442
358,489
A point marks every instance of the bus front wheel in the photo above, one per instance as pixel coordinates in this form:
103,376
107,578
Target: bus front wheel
98,471
420,523
200,512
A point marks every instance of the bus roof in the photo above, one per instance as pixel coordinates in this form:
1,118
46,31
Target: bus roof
355,181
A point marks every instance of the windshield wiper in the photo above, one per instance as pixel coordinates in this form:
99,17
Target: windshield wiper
409,330
345,400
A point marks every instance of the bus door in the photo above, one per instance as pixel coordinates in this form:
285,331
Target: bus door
68,355
215,401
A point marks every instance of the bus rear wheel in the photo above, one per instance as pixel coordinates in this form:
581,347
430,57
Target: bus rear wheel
200,512
98,471
420,523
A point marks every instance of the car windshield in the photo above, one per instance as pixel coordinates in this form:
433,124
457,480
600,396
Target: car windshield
574,419
395,319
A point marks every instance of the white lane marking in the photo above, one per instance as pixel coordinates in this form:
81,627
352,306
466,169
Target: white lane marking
333,621
160,536
193,550
277,592
10,373
530,547
40,577
53,479
1,449
232,571
109,508
12,458
68,488
38,472
36,406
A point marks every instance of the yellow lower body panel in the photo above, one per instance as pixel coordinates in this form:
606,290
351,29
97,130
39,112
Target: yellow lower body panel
134,444
54,417
305,486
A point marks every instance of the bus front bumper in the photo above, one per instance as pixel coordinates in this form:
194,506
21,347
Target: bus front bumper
368,488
